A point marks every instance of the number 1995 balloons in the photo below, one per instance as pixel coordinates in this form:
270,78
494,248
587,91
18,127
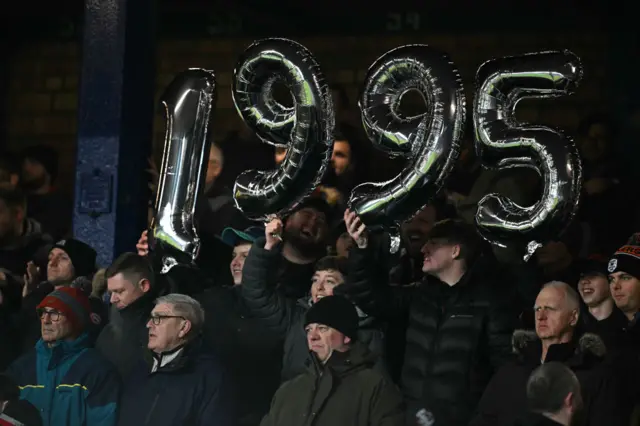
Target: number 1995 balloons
429,142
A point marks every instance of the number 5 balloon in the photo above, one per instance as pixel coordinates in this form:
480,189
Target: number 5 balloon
429,141
188,101
502,142
306,128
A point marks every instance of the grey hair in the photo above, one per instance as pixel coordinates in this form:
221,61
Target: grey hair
571,296
186,307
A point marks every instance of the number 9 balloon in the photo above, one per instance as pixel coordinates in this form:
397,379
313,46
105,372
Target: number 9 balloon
502,142
429,141
306,128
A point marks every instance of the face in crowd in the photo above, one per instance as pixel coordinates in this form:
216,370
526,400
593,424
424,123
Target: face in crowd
323,283
340,158
10,219
167,330
416,230
54,325
307,229
59,267
593,288
556,316
126,289
324,340
240,253
625,290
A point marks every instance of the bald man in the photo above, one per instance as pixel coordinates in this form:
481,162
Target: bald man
557,310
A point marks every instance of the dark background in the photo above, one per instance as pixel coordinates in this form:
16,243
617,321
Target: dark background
41,47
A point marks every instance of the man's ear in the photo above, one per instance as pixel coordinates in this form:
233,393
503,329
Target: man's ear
186,328
574,318
455,251
347,340
145,285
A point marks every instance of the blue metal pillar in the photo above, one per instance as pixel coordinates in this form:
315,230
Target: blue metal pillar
115,124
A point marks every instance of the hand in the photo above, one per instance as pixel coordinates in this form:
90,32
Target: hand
331,195
356,229
272,233
143,244
455,198
31,278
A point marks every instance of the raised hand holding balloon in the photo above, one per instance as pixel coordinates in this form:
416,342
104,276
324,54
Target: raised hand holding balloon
187,101
430,141
306,128
502,142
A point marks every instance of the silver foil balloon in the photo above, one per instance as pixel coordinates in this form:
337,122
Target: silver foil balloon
306,128
429,142
187,102
502,142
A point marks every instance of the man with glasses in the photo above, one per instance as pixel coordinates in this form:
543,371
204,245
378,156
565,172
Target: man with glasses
66,379
178,383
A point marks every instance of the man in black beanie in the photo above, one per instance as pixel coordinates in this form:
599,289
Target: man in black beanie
340,387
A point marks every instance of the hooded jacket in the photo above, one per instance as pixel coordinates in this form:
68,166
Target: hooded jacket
345,391
285,316
505,400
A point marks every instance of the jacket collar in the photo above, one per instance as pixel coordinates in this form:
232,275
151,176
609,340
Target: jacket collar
62,349
582,350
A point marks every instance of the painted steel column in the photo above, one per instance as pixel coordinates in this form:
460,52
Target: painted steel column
115,124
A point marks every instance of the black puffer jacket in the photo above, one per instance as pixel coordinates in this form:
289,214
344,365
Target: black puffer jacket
456,337
505,398
285,316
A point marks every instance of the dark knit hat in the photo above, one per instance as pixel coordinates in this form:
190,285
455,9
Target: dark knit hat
592,266
21,412
83,257
72,302
626,259
335,312
45,155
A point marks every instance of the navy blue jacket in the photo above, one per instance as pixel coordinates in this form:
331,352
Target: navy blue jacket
189,390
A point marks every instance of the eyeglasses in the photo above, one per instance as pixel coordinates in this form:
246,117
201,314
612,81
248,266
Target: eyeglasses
53,315
157,319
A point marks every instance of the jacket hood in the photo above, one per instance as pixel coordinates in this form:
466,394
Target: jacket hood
587,344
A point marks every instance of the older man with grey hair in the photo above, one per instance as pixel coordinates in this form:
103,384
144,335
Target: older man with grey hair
178,383
555,339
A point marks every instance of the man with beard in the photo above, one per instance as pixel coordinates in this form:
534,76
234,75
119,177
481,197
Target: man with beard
48,206
304,236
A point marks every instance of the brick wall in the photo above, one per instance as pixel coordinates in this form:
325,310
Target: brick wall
42,98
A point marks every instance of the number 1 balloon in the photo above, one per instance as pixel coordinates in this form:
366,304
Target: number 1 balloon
502,142
306,128
187,101
430,141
